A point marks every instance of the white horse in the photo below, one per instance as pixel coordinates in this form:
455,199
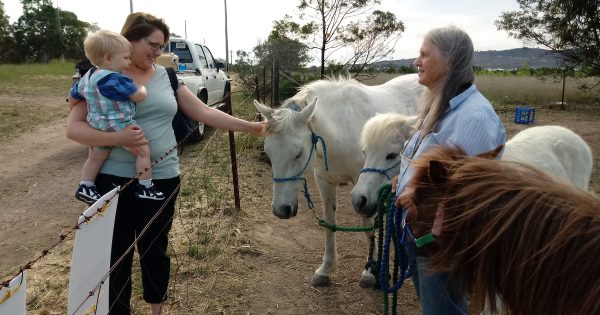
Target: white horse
553,149
344,105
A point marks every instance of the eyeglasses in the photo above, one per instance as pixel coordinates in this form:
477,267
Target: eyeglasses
155,46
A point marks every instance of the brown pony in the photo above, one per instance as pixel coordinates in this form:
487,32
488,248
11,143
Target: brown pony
508,229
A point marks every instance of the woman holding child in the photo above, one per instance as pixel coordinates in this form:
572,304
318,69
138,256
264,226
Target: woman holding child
148,36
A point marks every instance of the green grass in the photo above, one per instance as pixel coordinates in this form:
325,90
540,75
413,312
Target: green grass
32,95
10,72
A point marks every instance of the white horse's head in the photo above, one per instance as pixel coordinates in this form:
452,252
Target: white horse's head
382,140
291,150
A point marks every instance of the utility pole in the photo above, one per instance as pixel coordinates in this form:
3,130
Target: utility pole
130,6
226,40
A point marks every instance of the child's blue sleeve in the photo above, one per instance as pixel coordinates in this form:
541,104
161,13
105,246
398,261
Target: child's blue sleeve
117,87
74,93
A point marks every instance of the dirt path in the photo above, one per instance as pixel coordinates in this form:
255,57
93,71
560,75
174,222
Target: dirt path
38,177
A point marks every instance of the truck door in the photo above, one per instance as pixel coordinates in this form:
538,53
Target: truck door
216,80
208,73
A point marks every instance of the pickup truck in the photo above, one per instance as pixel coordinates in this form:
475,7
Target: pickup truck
201,74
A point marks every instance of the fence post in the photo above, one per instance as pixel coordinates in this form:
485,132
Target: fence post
264,85
232,152
275,83
562,98
257,89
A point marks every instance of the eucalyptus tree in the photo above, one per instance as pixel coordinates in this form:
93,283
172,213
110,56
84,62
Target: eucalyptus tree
7,42
570,27
353,31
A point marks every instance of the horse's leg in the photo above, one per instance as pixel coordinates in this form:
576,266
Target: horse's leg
327,190
367,278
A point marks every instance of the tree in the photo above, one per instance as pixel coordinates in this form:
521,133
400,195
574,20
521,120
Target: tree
570,27
7,42
38,32
74,32
291,53
44,32
335,25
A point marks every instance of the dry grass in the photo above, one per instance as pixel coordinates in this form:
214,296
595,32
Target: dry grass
510,90
536,91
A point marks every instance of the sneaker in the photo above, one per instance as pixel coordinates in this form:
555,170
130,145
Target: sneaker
151,192
87,194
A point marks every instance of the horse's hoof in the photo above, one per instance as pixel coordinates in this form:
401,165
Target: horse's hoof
367,281
321,281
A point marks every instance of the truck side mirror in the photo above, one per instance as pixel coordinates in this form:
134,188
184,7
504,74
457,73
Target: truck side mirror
219,65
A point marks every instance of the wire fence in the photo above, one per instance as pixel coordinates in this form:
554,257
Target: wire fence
201,226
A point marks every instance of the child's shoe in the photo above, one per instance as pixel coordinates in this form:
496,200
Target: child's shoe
87,194
151,192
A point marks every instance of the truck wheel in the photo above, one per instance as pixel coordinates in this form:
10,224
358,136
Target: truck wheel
198,134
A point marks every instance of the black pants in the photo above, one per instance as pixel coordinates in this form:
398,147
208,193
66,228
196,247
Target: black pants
132,216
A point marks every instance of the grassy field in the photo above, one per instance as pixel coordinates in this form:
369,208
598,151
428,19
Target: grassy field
510,90
32,95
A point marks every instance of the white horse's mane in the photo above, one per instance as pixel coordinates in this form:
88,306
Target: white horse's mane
382,129
284,116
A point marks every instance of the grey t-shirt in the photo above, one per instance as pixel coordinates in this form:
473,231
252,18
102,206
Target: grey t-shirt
155,115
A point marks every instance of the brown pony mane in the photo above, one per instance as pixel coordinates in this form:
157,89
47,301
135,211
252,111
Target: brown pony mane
510,230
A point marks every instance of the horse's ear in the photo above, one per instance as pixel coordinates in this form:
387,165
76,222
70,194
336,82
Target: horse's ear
308,111
492,155
264,110
438,173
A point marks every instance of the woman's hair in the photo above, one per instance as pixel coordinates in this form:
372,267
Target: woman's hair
102,43
139,25
456,46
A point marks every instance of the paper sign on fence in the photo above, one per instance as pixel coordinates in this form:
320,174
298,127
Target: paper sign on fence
12,298
91,258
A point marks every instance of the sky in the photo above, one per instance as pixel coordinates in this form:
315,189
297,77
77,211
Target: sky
250,22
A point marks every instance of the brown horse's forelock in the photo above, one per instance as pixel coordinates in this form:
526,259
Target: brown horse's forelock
514,231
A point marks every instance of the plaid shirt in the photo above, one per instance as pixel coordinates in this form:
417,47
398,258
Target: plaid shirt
107,95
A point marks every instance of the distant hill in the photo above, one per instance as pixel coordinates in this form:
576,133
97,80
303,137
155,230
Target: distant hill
500,59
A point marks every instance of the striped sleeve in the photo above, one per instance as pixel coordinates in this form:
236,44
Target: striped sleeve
477,134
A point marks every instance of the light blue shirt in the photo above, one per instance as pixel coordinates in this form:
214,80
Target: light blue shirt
470,122
155,115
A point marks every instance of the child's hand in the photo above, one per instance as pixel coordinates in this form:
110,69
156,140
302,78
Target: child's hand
73,101
131,136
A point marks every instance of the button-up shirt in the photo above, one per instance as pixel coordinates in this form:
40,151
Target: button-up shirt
470,123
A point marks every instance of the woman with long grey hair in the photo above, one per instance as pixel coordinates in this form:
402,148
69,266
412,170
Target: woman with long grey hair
452,112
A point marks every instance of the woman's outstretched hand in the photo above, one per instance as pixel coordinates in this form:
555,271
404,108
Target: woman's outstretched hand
259,128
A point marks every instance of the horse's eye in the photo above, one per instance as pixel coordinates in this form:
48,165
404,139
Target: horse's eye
391,156
299,155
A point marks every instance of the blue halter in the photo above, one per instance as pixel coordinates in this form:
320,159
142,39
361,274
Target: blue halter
382,171
314,139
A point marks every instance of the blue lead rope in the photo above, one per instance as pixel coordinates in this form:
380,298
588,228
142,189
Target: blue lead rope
382,171
402,249
314,139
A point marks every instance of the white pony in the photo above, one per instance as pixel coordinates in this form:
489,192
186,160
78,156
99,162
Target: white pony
554,149
335,120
